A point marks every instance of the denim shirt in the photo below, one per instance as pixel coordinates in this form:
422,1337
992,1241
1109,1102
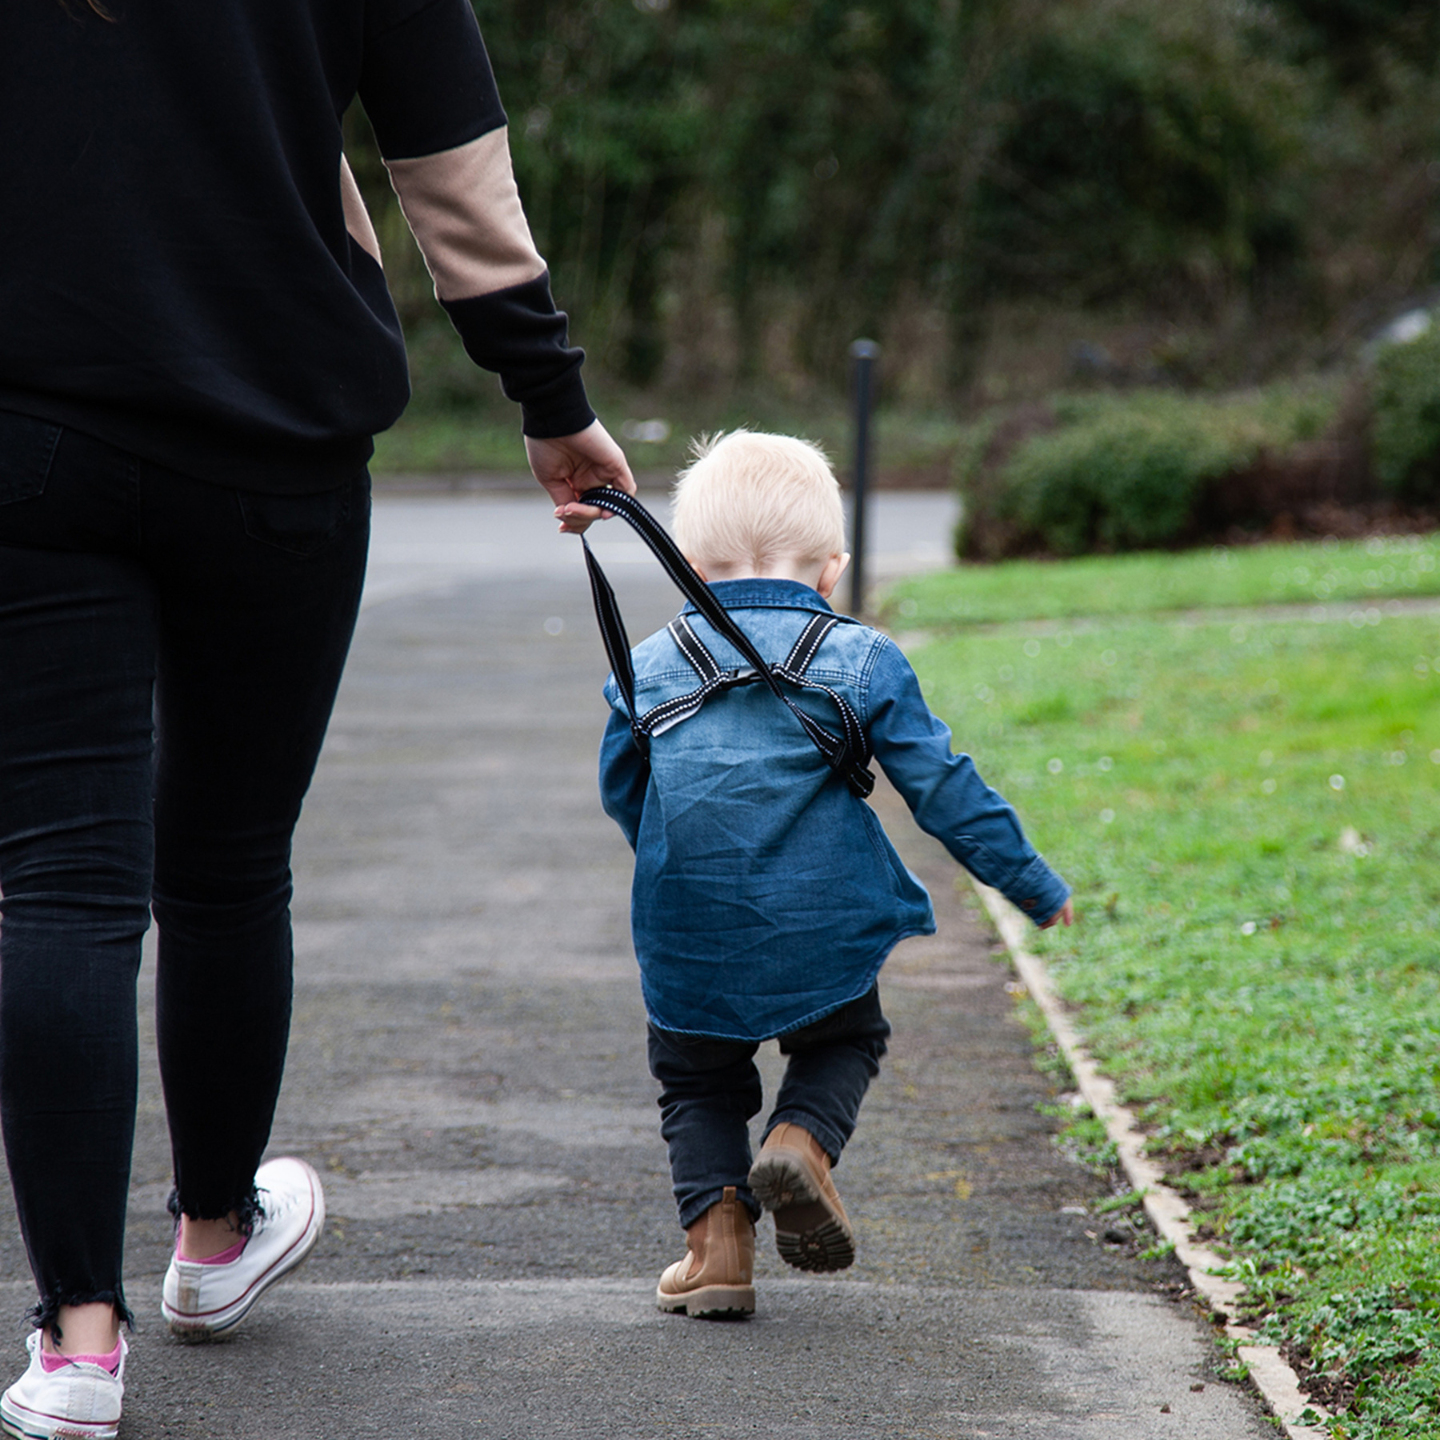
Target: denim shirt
766,893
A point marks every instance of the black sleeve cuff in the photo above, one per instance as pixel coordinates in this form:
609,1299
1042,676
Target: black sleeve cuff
569,414
519,334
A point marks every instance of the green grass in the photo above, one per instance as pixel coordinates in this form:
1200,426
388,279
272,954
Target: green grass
428,443
485,434
1325,571
1248,804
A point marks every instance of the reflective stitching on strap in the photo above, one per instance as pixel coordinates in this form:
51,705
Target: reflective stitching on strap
681,707
847,756
856,741
802,652
693,648
678,707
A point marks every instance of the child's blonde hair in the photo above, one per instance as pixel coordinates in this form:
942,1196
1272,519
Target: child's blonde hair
749,498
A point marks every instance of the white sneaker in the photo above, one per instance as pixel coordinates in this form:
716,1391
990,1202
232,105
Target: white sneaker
205,1302
78,1399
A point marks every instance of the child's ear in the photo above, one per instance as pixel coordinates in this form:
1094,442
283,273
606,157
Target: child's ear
830,575
698,568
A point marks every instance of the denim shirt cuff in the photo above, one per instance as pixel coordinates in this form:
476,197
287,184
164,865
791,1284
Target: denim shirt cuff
1037,891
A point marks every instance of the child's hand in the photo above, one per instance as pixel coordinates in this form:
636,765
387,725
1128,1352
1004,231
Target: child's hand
1065,913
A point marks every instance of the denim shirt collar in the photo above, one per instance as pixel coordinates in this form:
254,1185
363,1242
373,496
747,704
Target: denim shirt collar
757,591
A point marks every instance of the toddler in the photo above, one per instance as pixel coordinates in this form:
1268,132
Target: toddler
766,895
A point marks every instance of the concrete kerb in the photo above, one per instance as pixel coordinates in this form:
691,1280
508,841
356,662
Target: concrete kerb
1277,1383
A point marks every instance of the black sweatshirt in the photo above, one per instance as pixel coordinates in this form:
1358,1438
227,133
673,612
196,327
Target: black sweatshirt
186,268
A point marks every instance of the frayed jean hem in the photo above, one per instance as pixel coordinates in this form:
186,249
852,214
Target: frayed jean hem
247,1211
43,1314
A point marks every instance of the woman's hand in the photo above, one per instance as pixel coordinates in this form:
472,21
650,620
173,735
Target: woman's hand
572,464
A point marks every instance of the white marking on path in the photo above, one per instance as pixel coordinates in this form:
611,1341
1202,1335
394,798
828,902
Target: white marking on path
389,1195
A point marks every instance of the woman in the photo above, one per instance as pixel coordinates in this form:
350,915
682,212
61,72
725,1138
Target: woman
196,346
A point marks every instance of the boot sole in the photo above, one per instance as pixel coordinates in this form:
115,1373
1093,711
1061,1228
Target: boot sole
710,1302
810,1233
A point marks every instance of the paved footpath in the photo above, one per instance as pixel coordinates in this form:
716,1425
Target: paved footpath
467,1071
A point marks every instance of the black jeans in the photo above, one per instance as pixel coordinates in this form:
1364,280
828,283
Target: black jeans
710,1089
169,655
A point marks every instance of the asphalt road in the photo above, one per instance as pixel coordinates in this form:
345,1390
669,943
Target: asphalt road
467,1072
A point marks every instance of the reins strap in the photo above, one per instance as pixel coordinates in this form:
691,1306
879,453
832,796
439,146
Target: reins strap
617,642
847,756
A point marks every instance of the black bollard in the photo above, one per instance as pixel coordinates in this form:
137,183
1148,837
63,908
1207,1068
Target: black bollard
863,354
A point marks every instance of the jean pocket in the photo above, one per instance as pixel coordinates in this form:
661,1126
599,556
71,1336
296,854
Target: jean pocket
301,525
27,447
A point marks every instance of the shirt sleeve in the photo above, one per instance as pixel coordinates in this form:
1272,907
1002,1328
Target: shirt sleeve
947,796
624,774
430,94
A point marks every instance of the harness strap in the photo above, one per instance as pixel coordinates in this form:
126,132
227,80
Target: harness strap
713,679
693,649
802,652
848,755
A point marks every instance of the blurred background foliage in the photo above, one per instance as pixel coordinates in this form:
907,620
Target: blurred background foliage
1014,197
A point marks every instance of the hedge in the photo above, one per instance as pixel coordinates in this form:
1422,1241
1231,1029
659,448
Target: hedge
1405,395
1127,472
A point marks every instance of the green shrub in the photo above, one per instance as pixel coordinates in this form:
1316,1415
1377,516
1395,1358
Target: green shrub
1127,473
1406,434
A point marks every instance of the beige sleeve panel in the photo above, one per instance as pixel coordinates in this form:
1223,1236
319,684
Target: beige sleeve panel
465,212
357,217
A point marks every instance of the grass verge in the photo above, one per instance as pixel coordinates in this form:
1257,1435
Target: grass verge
430,443
1323,572
1248,804
484,434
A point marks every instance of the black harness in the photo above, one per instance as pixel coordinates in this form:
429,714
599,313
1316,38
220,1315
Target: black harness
847,753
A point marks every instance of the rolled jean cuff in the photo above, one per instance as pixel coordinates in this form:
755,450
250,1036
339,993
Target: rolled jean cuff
1037,892
831,1140
691,1212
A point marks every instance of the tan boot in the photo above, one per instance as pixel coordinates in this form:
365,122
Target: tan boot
791,1177
713,1281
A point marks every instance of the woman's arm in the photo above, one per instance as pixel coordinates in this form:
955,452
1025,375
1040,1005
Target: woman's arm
430,94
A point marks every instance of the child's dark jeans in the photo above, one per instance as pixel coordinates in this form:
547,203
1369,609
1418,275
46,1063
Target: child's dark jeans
710,1089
